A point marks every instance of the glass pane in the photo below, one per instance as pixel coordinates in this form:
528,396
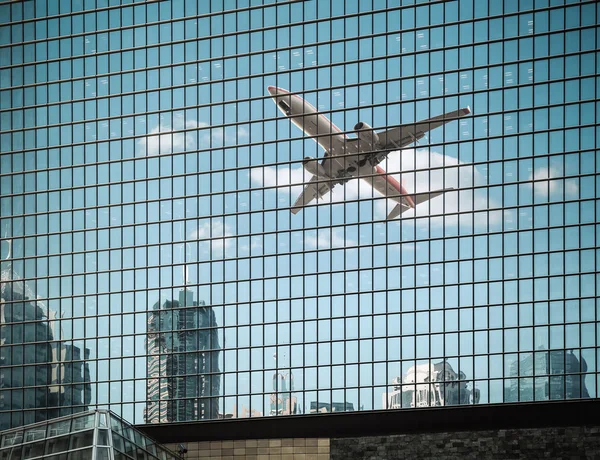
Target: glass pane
83,439
33,450
56,445
17,453
83,423
11,439
102,438
33,434
102,453
116,425
85,454
102,419
58,428
57,457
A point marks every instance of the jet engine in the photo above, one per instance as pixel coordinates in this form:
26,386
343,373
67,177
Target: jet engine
313,166
366,134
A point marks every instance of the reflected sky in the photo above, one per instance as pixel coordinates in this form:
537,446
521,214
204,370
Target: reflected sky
140,147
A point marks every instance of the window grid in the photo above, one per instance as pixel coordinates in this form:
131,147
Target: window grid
113,230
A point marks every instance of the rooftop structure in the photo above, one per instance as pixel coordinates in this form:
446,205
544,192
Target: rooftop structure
95,435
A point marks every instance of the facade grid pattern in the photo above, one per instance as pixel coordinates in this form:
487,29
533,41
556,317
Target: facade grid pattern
150,262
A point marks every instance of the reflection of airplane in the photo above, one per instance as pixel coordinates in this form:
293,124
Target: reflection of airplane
347,158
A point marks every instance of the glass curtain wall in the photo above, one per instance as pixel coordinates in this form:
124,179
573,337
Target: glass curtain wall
147,177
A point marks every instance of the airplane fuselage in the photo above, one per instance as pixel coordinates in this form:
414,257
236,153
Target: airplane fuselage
344,157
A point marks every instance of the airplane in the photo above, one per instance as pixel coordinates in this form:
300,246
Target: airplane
357,157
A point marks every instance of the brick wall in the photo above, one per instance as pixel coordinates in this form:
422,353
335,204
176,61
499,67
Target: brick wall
258,449
555,443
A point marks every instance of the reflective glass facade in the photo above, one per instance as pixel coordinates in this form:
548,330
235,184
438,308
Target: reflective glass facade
150,261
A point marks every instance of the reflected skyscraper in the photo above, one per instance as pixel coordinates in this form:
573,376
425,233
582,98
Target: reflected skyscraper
426,385
324,407
547,374
183,353
283,401
41,377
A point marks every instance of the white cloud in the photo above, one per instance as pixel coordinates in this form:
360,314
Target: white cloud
296,177
220,235
327,238
421,171
545,186
164,139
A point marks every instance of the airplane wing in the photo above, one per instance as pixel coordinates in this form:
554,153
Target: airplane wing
404,135
384,183
315,188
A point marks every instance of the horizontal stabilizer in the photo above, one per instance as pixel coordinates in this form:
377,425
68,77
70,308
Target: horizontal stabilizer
417,198
398,209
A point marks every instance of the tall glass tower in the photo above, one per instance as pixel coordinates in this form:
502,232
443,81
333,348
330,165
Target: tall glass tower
151,261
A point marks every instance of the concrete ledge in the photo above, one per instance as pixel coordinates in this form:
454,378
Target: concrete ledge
384,422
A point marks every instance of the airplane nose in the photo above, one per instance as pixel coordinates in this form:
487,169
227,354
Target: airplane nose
272,90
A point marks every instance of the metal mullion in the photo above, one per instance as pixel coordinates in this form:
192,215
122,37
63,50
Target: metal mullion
557,251
237,258
318,66
581,379
430,361
186,130
134,93
346,340
372,225
563,232
159,22
387,262
314,297
345,230
518,281
487,223
502,298
473,343
314,21
303,246
331,272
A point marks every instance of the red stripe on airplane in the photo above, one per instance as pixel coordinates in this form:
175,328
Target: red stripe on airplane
394,183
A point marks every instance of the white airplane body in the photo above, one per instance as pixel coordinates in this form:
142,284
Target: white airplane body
347,158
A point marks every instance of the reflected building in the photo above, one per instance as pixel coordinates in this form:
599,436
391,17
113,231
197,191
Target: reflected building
318,406
547,374
244,413
282,400
426,385
183,353
40,377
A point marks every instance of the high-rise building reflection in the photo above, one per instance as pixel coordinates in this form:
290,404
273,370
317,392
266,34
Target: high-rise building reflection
183,361
282,400
430,385
41,376
547,374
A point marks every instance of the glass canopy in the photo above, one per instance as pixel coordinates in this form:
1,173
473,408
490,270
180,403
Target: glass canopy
95,435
